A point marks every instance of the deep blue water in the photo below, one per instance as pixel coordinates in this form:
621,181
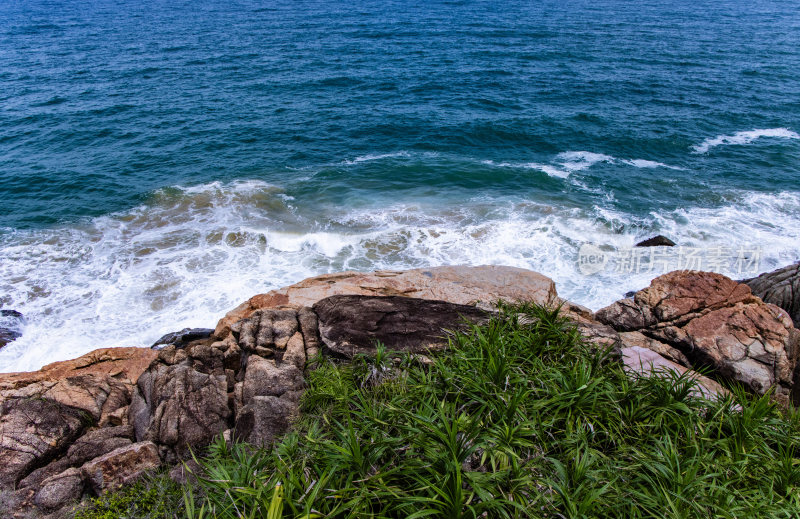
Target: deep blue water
161,161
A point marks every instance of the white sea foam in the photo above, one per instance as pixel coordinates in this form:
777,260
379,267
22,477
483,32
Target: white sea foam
568,162
377,156
649,164
191,254
744,138
580,160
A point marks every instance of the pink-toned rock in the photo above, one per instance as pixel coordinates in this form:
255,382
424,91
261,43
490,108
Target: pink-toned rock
99,382
645,362
121,466
680,294
703,319
482,286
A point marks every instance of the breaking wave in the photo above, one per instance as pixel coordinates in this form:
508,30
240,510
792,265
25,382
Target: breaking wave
192,253
746,137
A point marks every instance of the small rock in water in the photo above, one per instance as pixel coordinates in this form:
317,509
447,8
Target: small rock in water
656,241
182,338
11,323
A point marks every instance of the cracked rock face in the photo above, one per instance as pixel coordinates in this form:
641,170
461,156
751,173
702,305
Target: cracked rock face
54,420
780,288
33,431
250,383
700,319
479,286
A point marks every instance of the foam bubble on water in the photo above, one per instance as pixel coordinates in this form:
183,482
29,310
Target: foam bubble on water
377,156
745,137
649,164
192,254
581,160
566,163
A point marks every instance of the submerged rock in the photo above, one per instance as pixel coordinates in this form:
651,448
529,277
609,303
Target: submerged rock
11,323
656,241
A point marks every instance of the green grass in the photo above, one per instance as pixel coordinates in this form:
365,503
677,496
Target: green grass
514,420
154,497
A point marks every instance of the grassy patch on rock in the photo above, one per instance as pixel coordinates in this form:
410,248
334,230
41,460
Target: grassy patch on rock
519,418
153,497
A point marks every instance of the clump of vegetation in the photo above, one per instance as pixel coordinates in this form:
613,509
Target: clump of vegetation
519,418
154,497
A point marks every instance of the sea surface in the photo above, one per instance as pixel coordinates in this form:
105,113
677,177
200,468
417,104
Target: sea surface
160,162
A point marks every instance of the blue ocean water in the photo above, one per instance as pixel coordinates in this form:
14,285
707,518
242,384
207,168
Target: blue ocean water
162,161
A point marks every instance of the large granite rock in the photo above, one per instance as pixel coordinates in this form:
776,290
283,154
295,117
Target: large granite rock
97,383
181,400
641,361
350,325
249,383
703,319
52,421
33,432
43,412
475,286
60,489
781,288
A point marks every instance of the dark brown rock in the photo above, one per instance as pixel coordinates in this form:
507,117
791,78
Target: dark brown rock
265,418
656,241
185,472
11,323
355,324
182,338
781,288
481,286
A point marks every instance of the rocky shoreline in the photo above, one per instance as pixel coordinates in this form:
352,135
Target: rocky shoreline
84,426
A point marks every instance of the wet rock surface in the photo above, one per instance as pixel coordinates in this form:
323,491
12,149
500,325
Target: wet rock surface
11,323
656,241
182,338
